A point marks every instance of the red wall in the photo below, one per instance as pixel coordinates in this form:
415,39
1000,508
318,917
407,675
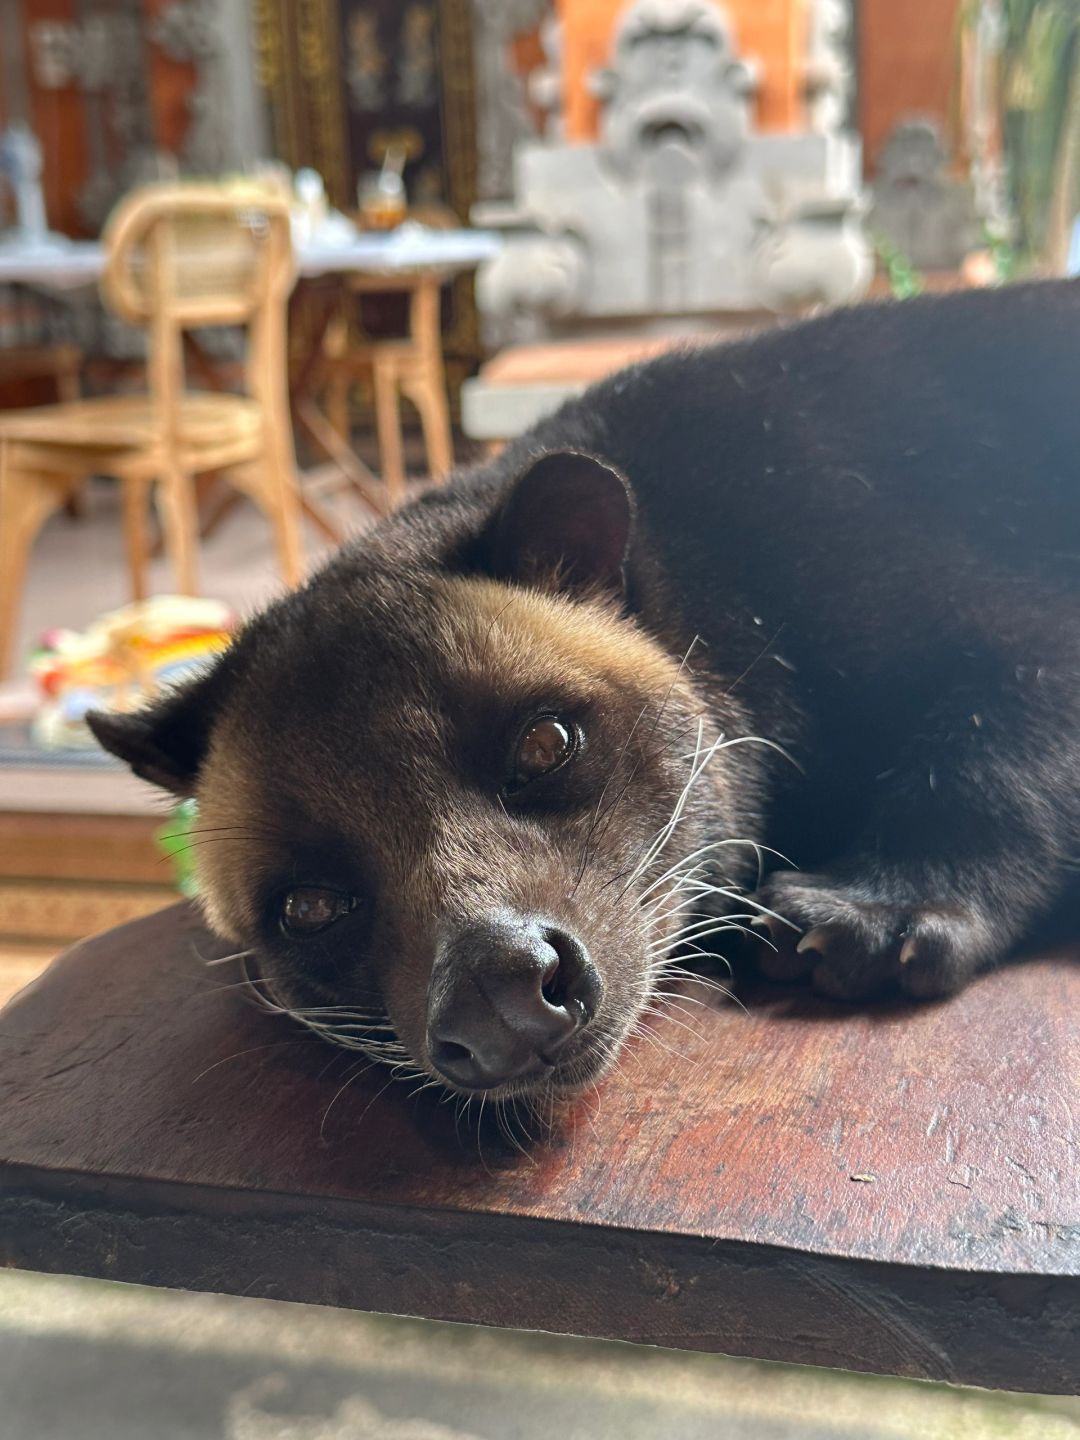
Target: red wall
907,64
58,115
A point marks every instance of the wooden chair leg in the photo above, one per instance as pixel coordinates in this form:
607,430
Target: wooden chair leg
136,539
282,504
68,382
388,427
271,483
337,403
428,394
69,390
285,516
336,379
425,380
26,500
180,523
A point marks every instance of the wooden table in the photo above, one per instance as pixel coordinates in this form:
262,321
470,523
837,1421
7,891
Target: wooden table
412,251
411,366
895,1191
79,263
77,848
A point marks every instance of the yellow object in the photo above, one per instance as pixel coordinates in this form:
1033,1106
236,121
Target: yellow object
121,661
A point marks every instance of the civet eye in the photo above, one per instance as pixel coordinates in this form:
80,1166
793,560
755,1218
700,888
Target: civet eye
546,743
307,909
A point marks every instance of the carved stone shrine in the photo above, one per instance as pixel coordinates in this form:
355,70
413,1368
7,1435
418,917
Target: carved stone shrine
680,207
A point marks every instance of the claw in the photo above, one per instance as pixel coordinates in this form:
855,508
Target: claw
773,930
816,939
909,950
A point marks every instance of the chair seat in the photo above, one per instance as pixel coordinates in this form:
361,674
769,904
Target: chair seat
121,422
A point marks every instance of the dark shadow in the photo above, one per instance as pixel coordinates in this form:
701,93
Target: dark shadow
797,1000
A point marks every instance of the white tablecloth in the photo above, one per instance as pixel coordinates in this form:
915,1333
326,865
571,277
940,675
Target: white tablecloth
78,263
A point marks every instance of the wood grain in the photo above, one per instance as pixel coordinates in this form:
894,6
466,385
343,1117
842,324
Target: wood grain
116,848
894,1190
64,911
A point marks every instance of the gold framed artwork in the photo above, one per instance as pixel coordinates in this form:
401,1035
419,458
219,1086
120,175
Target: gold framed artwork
348,80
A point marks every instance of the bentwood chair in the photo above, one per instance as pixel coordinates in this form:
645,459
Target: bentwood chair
412,367
178,258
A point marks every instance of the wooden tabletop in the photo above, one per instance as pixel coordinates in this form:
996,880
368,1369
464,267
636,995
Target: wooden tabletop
894,1190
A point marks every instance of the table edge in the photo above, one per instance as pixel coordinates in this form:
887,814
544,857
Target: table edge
1006,1329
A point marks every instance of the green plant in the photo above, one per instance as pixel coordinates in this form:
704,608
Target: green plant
1038,104
905,282
175,842
1002,253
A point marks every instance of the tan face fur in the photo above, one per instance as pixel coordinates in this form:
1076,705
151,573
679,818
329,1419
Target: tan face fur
383,771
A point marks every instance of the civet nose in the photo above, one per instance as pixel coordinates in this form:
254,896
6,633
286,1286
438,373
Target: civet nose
507,992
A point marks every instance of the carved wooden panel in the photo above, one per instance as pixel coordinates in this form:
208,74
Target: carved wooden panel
348,78
103,124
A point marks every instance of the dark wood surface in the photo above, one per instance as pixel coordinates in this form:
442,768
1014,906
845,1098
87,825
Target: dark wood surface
894,1190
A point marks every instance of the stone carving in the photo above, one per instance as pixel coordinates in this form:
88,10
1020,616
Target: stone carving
104,54
191,30
830,72
546,81
919,209
675,80
20,164
680,207
502,110
817,256
545,281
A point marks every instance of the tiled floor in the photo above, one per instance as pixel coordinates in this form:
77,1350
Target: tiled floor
77,569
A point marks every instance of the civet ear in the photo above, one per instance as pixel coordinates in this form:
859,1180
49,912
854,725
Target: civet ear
565,524
166,742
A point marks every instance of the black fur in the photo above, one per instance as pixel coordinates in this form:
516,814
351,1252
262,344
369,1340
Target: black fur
872,522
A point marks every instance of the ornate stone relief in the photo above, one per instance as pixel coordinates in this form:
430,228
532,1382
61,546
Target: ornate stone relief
502,107
192,30
924,213
104,54
830,70
680,207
